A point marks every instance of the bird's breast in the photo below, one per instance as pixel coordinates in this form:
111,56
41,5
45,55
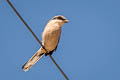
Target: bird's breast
51,37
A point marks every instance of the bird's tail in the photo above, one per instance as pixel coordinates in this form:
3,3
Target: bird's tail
33,59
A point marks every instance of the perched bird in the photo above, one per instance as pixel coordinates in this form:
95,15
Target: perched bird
50,40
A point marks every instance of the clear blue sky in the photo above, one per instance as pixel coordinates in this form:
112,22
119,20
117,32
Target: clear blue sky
89,47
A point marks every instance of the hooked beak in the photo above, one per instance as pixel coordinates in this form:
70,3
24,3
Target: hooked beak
66,21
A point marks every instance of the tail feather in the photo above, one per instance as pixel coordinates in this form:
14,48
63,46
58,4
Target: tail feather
33,60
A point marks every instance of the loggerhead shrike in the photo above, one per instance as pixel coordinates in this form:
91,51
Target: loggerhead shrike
50,39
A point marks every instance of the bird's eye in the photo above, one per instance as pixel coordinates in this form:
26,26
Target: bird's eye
60,18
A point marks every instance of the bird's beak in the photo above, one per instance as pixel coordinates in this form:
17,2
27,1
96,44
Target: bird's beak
66,21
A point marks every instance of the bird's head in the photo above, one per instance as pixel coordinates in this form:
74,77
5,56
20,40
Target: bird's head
59,19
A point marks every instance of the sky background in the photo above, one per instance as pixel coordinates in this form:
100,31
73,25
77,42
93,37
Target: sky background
89,48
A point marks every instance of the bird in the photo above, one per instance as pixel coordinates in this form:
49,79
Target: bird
50,40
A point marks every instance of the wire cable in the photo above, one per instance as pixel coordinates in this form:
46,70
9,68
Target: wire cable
36,38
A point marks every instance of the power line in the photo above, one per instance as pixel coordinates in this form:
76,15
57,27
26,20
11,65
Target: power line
58,67
36,38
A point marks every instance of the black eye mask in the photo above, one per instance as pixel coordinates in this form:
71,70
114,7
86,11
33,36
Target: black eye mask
59,17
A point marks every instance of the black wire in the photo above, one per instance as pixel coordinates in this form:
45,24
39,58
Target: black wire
58,67
24,22
36,38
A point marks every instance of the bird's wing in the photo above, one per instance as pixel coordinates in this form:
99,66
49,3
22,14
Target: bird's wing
57,44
